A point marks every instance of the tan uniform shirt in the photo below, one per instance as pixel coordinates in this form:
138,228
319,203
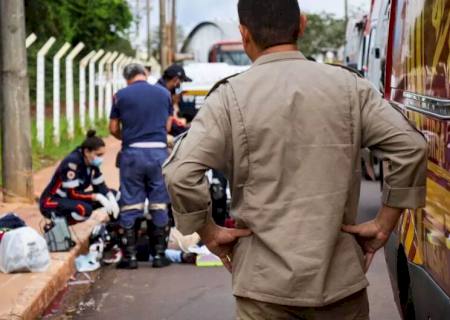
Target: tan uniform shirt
288,134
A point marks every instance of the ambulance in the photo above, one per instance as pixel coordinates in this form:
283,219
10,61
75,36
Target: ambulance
408,60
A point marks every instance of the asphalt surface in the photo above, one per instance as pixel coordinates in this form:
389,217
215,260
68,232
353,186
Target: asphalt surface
183,292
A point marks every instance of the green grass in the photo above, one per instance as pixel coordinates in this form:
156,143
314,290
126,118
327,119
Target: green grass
51,153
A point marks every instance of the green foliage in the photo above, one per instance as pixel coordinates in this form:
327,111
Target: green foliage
97,23
48,18
32,72
44,157
324,32
122,45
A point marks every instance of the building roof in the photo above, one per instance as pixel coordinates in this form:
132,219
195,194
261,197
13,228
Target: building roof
229,31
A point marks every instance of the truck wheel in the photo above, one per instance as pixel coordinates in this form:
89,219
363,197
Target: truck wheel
404,286
409,310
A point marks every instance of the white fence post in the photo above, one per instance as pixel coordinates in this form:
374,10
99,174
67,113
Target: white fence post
40,91
92,63
30,40
101,84
82,103
56,92
109,79
127,61
116,71
70,112
122,65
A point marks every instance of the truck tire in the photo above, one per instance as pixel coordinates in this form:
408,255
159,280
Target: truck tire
404,286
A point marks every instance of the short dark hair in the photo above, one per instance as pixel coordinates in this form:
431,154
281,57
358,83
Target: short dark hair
271,22
132,70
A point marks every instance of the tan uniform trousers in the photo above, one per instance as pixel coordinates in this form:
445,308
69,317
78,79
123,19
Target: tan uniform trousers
354,307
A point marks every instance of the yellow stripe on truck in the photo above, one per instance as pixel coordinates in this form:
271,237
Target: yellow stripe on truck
409,238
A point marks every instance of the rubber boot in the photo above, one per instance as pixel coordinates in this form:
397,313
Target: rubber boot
158,238
128,246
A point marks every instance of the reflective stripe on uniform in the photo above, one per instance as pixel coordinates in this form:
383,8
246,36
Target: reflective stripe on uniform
98,180
139,206
71,184
61,193
157,206
77,217
49,204
73,194
148,145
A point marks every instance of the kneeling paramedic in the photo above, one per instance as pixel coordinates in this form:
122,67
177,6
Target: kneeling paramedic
67,196
140,117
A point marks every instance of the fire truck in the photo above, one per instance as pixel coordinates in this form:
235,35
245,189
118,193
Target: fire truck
407,57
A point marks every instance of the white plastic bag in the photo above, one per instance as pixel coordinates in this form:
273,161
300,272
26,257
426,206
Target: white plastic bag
23,250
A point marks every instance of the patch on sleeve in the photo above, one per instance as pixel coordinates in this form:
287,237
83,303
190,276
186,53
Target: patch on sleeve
71,174
72,166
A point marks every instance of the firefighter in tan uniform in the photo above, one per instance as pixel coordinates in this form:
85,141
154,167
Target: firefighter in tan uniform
287,134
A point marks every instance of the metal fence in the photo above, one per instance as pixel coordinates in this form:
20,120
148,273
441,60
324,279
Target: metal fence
104,78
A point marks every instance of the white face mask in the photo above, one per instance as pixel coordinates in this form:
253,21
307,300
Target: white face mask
97,162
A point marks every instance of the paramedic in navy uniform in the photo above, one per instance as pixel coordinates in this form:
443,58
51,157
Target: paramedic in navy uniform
140,117
67,195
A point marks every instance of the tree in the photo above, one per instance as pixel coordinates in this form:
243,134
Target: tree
48,18
99,23
324,32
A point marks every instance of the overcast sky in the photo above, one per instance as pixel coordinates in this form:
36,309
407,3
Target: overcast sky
191,12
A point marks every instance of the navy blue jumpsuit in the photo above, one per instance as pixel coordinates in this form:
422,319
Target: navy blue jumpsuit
67,194
143,111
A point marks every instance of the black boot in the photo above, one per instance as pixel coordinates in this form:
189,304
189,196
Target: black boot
128,246
158,237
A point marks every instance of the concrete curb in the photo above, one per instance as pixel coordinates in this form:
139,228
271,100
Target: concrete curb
29,294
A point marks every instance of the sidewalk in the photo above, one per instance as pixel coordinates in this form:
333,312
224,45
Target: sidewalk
27,295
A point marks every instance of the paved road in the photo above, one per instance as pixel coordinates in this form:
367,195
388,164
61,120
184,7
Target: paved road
185,292
382,305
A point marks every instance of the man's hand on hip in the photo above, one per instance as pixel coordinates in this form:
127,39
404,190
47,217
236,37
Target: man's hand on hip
374,234
221,241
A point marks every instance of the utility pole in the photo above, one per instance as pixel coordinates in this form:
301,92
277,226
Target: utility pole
138,26
149,30
163,34
15,104
346,12
174,28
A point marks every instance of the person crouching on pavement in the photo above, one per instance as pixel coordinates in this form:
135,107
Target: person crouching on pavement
140,117
66,195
